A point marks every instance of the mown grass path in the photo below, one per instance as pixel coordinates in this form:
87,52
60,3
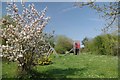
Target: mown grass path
73,66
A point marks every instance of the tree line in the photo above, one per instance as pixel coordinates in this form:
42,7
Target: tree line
104,44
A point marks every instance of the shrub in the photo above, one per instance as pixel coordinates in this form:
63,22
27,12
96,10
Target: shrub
43,61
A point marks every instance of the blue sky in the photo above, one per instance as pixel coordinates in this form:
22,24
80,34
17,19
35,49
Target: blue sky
76,23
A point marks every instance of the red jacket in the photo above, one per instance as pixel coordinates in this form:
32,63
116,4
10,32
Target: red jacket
77,45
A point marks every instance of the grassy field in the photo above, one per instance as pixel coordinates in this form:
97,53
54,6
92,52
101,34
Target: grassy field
71,66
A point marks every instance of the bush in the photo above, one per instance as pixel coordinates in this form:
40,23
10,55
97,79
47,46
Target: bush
43,61
63,44
106,44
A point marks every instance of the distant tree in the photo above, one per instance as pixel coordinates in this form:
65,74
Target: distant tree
63,44
111,44
50,38
84,41
98,45
105,44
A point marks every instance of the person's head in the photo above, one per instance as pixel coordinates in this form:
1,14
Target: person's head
75,43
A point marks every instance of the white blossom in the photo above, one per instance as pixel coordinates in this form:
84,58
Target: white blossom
27,36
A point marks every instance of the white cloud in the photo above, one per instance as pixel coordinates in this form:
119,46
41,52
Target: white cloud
68,9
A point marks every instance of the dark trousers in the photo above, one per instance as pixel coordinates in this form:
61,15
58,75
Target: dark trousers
76,51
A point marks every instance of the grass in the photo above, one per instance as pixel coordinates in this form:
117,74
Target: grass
72,66
9,70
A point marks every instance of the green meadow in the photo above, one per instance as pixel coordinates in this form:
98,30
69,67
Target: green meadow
70,66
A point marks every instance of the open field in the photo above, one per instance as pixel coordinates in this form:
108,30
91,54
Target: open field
71,66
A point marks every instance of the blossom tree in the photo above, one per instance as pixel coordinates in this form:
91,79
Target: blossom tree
25,41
